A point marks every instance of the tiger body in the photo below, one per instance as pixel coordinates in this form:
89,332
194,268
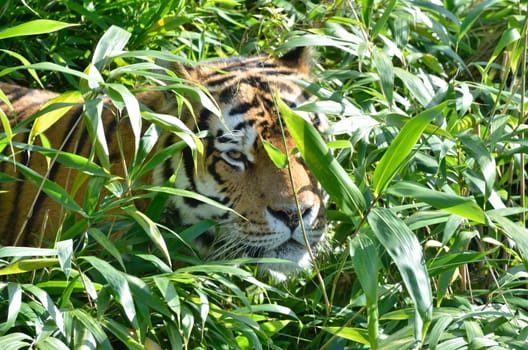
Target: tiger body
236,170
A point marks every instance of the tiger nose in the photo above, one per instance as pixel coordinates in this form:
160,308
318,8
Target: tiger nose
289,216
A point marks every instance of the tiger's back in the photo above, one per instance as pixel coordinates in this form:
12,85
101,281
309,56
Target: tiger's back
235,170
28,216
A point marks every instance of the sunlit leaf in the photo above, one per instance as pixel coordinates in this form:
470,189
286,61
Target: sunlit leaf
38,26
401,147
465,207
320,160
406,252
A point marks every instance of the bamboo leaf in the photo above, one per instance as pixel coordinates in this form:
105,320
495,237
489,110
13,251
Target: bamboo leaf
473,16
406,252
401,147
150,229
509,36
54,191
120,96
112,42
48,304
15,303
189,194
276,155
365,260
93,326
118,282
478,151
39,26
358,335
464,207
325,167
48,119
386,75
517,233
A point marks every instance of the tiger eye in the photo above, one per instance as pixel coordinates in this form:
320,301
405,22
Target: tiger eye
235,155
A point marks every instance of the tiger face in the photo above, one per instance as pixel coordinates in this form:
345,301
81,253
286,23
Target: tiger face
274,205
271,206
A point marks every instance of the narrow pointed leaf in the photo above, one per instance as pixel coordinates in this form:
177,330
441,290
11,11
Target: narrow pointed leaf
113,41
365,260
325,167
400,148
464,207
118,282
406,252
39,26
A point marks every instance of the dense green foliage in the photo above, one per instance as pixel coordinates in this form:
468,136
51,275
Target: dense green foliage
428,241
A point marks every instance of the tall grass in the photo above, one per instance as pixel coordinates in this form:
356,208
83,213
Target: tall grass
428,244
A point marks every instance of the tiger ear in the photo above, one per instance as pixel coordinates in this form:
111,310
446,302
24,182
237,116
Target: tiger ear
300,58
181,70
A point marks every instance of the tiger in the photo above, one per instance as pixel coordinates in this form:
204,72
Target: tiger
265,200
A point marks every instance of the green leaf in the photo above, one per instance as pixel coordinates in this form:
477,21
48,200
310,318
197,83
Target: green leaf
510,36
358,335
438,330
169,294
386,75
119,331
94,123
48,119
482,155
417,88
464,207
325,167
70,160
15,303
108,245
24,61
382,20
150,229
400,148
121,95
47,66
112,42
366,264
93,326
39,26
6,252
276,155
406,252
189,194
54,191
48,305
65,254
118,282
15,341
473,16
517,233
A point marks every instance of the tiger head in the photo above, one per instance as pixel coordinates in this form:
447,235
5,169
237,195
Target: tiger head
273,205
